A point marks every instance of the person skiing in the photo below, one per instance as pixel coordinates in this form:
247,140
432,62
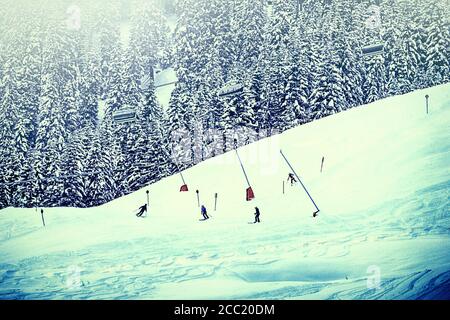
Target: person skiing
257,213
142,210
291,178
204,213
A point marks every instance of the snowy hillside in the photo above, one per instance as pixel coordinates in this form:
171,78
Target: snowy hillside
383,195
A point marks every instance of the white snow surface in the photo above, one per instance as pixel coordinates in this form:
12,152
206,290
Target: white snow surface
383,196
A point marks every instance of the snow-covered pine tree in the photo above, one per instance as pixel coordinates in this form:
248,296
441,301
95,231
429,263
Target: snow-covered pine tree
221,12
328,96
149,36
101,186
351,68
256,93
394,52
375,80
89,86
50,139
341,46
74,167
437,44
398,81
248,27
9,115
179,128
418,40
110,50
149,156
281,115
298,83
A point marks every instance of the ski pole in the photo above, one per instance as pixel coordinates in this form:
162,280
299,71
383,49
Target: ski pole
285,159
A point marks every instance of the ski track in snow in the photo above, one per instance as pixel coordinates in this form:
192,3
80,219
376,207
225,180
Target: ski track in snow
406,235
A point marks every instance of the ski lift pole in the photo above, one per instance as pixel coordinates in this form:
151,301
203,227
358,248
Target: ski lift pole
285,159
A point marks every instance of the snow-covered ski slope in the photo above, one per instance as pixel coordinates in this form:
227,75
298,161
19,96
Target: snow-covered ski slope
384,216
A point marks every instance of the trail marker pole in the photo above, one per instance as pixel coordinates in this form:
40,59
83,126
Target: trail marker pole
285,159
283,186
321,166
198,197
148,199
426,99
36,201
42,216
215,201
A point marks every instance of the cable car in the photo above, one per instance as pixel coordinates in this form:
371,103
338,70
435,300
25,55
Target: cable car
124,115
373,49
231,89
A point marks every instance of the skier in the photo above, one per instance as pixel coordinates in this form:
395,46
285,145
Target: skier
142,210
257,213
204,213
291,178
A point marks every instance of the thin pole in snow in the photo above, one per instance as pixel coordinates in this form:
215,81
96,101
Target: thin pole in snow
36,197
243,170
182,178
178,167
215,201
198,197
285,159
321,166
426,98
147,192
283,186
42,216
